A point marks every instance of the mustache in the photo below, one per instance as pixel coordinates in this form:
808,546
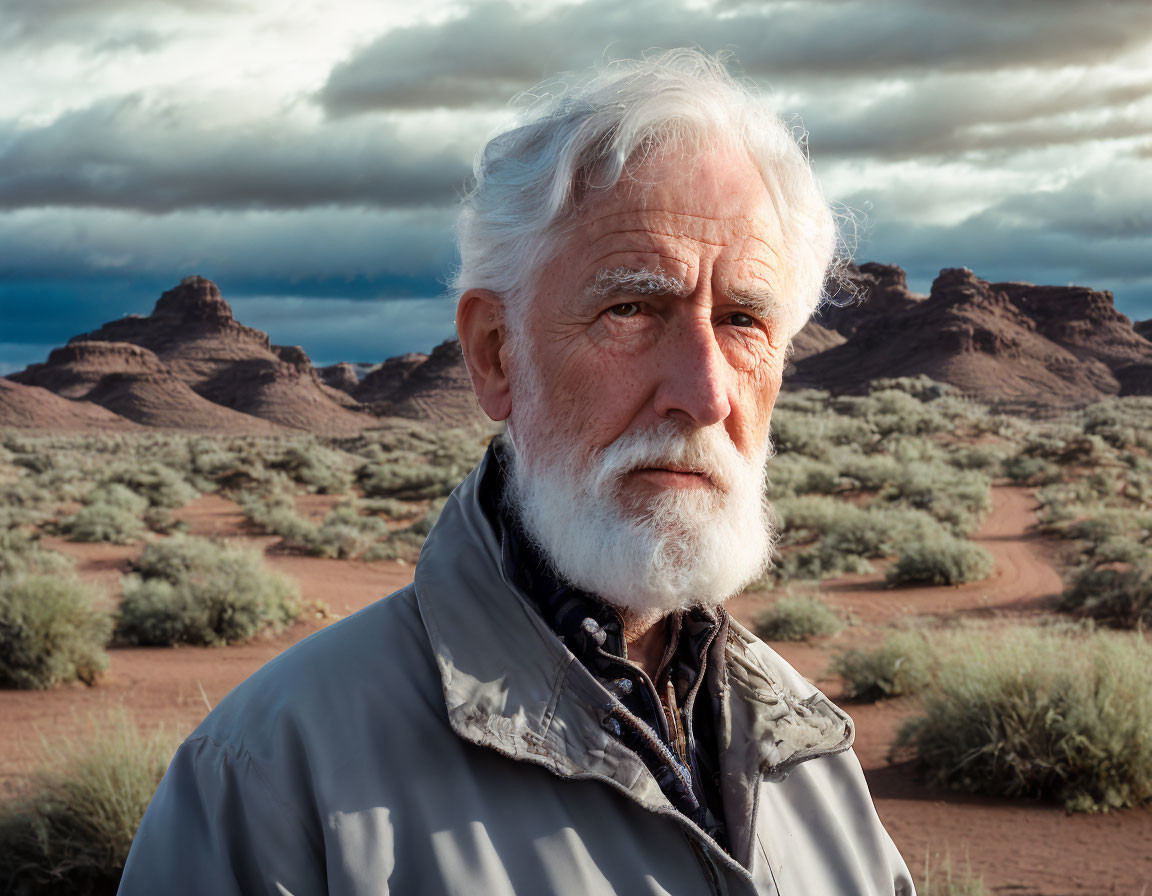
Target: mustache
708,451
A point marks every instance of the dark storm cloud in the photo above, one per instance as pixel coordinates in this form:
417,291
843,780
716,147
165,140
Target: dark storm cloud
67,271
42,22
495,49
1114,204
1086,233
412,251
979,113
126,153
40,315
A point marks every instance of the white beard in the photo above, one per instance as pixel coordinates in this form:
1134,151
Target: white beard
671,551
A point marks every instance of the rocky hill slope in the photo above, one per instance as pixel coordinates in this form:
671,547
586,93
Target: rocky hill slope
996,341
191,365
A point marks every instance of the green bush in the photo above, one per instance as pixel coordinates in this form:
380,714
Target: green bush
977,457
51,631
20,552
871,472
345,532
960,499
895,411
321,469
157,483
1031,470
892,669
104,522
197,591
937,558
71,831
796,618
409,478
1030,713
1121,597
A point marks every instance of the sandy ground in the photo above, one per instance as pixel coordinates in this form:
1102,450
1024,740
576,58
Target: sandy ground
1019,847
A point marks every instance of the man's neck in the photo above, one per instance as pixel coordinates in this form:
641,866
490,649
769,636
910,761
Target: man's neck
647,639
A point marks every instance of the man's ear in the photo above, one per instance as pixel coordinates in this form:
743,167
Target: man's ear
483,338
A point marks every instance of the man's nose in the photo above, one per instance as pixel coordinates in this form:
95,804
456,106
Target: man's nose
695,376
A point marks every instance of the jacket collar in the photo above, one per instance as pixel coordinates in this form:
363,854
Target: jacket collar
511,685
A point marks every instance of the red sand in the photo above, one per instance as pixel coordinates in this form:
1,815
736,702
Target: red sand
1019,847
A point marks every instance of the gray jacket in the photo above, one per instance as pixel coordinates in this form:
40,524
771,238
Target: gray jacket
444,741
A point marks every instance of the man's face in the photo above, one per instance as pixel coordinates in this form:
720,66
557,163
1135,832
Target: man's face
661,313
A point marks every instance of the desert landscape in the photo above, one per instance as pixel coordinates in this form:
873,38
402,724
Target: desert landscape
963,482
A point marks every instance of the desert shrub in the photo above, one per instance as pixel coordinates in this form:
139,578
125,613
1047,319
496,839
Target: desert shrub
1122,549
409,478
71,831
51,631
938,558
895,411
1108,523
196,591
345,532
977,457
321,469
104,522
800,518
1031,470
796,474
841,538
892,669
796,618
817,433
812,564
20,552
922,388
115,494
274,511
959,499
871,472
1112,423
157,483
1121,597
805,401
390,508
950,881
1033,713
424,525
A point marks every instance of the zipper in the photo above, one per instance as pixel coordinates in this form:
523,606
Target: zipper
712,875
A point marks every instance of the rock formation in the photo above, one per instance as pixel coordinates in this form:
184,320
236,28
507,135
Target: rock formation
132,382
997,341
191,365
340,376
30,407
193,333
433,387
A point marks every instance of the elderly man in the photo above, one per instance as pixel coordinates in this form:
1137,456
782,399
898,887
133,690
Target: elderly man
559,704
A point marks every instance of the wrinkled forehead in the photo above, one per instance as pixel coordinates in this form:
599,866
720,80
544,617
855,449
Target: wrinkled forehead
716,199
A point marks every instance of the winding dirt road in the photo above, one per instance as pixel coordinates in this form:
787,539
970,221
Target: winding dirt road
1020,848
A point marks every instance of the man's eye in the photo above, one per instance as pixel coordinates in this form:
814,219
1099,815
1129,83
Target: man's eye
740,319
624,309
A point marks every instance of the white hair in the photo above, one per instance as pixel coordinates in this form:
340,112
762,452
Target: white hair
579,139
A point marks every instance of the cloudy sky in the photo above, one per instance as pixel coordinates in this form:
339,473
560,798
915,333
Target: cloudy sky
307,155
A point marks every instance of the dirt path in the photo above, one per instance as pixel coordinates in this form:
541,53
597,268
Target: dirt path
175,687
1020,848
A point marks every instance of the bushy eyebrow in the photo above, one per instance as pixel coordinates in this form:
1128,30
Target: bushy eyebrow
760,302
635,282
